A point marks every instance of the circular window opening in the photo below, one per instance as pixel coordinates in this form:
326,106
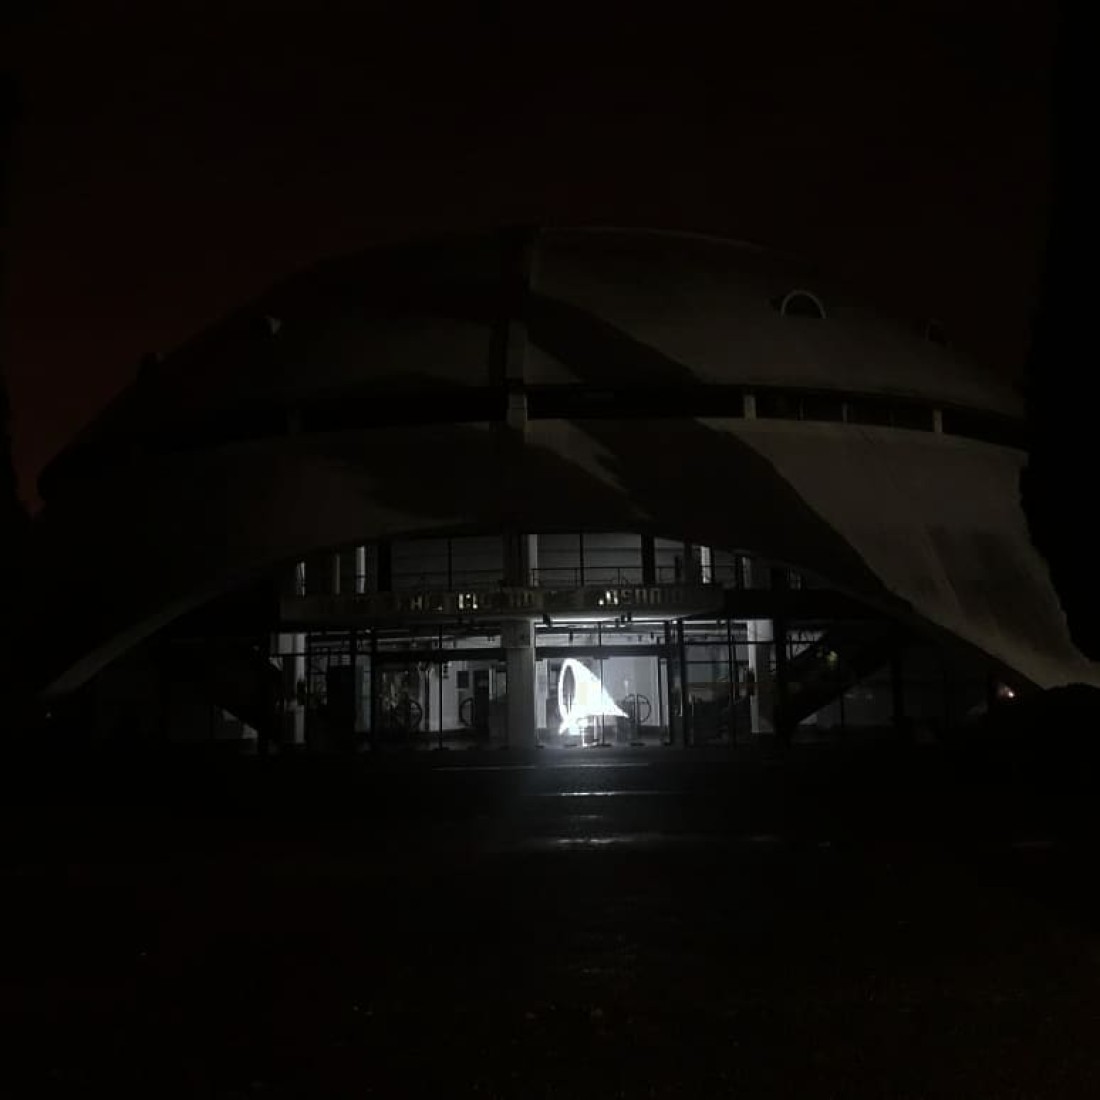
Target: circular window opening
801,303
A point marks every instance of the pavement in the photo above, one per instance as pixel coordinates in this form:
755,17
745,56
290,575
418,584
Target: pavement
635,923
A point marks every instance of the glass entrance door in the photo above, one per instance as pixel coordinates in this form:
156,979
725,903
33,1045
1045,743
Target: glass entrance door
635,683
404,704
586,697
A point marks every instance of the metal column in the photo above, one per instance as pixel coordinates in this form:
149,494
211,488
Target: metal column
442,662
685,699
373,686
782,722
732,672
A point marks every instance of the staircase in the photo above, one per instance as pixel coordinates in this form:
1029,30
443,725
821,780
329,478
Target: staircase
235,676
844,655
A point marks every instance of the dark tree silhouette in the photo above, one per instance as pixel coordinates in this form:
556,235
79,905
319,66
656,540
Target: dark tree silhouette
13,518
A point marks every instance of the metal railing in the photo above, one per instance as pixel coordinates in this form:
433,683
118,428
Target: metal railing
725,574
453,580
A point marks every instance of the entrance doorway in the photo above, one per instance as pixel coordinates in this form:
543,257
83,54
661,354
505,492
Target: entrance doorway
596,691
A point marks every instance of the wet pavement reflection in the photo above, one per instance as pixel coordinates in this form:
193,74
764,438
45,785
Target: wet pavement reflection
663,925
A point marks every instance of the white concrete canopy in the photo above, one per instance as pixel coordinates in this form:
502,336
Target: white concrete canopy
925,525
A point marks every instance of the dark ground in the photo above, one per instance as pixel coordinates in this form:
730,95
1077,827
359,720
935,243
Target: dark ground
902,923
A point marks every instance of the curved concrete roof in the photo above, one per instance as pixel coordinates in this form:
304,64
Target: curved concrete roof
709,303
421,316
923,525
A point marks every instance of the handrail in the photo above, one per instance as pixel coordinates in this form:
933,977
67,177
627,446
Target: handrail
724,575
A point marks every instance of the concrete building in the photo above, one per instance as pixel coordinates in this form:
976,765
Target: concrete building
558,486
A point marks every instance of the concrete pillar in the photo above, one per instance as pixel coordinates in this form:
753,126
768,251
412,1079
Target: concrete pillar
518,639
363,673
670,664
706,559
297,709
686,731
779,705
760,636
360,570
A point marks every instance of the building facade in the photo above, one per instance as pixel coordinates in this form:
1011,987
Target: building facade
550,487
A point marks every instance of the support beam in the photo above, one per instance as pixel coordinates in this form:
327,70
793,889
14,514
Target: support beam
760,636
685,695
731,686
518,638
783,725
360,570
373,685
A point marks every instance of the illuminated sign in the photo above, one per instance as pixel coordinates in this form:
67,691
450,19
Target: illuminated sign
581,697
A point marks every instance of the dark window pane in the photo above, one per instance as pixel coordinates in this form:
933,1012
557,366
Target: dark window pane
914,417
635,402
776,405
867,410
822,407
347,412
987,427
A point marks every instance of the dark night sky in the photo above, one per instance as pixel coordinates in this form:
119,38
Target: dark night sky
175,159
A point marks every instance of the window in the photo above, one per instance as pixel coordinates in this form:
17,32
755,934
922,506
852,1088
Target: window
868,410
801,303
776,405
792,405
725,569
420,563
987,427
612,558
638,402
822,406
559,560
668,559
477,562
913,417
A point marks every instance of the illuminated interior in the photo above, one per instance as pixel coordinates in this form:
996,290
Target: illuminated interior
627,664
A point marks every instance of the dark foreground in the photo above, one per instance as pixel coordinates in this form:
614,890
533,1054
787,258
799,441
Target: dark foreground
901,924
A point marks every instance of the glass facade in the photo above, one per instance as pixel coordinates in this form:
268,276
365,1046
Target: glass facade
591,648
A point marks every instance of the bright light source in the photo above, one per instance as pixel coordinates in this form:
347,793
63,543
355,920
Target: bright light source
589,699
